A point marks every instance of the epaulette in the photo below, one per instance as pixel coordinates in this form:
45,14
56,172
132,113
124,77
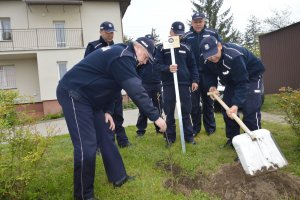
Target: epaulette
126,52
99,44
211,30
186,46
187,34
159,46
231,53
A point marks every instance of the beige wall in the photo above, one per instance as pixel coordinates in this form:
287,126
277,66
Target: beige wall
40,16
48,70
27,78
27,81
16,10
94,13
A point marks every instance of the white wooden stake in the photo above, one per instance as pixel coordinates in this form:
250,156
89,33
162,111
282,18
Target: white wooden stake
173,42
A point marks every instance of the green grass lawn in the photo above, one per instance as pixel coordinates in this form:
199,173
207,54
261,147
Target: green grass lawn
271,105
55,176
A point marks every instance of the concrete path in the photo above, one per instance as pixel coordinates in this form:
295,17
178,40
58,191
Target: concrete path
59,126
273,118
130,117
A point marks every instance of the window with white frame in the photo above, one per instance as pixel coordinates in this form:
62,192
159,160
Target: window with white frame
5,29
7,77
62,67
59,27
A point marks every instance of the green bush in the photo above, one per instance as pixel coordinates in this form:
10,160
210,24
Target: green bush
290,102
21,147
53,116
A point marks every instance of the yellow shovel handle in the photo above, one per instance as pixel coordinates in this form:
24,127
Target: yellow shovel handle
235,117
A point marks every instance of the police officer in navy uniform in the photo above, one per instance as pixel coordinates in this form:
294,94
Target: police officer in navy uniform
106,38
86,91
107,30
188,78
150,75
197,32
241,72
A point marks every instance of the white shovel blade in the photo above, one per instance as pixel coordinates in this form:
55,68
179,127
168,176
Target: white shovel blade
258,155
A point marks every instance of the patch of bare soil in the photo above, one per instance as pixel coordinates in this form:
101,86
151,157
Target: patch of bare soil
230,182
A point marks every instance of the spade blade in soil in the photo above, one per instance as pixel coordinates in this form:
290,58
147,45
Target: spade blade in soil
258,155
257,150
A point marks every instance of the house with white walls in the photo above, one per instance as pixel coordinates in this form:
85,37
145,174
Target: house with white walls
41,39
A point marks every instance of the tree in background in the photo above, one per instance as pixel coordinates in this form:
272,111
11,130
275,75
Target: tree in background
222,22
252,31
278,20
127,39
255,27
155,36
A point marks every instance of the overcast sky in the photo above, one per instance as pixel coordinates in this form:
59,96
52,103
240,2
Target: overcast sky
142,15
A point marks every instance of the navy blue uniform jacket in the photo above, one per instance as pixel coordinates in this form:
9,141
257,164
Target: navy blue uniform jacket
97,44
236,68
149,73
194,39
100,76
184,58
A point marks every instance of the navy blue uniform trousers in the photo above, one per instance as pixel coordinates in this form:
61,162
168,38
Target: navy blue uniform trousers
154,92
250,109
207,108
87,126
169,108
121,136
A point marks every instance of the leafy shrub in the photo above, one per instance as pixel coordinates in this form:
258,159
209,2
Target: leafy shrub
21,147
53,116
290,102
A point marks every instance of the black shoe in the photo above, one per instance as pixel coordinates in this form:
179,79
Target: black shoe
237,159
139,135
140,132
122,181
228,143
209,133
191,141
169,143
128,144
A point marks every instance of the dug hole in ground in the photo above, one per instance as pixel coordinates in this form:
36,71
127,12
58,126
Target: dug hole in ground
230,182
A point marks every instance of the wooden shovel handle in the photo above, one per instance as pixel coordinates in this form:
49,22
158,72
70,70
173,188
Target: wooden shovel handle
235,117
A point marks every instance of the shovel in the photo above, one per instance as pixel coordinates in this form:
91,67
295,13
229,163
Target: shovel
257,150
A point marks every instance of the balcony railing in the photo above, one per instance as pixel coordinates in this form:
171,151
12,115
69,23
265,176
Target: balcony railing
41,38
